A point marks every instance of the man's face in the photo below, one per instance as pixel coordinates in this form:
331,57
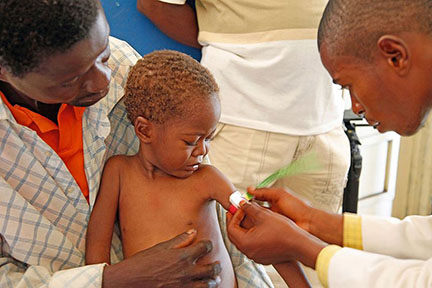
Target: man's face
78,77
388,101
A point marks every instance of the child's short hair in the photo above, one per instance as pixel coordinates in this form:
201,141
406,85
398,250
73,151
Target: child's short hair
164,84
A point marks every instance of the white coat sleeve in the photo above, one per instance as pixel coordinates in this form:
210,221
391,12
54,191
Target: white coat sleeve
354,268
399,255
410,238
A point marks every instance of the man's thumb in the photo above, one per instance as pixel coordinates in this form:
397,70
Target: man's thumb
182,240
248,207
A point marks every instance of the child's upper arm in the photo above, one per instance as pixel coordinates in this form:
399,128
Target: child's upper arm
103,216
219,186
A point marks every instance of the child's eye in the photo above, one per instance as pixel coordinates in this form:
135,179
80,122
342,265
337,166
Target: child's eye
194,143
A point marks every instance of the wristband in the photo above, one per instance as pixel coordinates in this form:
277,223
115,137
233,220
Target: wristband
232,209
235,199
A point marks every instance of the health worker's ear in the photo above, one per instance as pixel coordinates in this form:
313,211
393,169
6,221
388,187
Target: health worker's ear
396,52
144,129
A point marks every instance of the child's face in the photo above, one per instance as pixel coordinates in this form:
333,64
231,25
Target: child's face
179,145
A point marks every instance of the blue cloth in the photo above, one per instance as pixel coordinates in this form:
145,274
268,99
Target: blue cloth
128,24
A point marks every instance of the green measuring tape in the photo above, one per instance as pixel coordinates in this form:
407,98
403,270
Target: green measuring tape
306,163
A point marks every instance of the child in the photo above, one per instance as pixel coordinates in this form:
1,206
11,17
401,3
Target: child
165,188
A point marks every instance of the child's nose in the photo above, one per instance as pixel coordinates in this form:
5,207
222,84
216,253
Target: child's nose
201,149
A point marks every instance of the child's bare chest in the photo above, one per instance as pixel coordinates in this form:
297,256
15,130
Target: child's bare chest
151,212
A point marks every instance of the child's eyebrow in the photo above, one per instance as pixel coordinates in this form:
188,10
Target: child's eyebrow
200,134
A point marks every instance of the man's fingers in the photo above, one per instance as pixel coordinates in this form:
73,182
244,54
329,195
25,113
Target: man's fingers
252,210
228,216
235,231
262,194
236,219
182,240
207,283
208,271
199,249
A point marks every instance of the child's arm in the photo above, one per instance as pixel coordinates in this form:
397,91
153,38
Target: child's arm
102,219
292,274
221,188
218,185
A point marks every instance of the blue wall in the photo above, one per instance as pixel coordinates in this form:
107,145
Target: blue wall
128,24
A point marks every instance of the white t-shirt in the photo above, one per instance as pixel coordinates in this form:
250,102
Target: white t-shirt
265,59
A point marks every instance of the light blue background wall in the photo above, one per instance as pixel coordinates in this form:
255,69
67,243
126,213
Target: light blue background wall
128,24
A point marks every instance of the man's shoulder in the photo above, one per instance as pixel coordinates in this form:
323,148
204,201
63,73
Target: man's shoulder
122,52
123,56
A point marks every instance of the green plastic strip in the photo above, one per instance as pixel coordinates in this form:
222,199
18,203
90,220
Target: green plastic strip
306,163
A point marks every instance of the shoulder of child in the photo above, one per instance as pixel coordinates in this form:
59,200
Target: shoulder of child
116,162
207,169
211,173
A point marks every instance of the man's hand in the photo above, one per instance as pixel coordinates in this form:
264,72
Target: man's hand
282,202
168,264
273,238
324,225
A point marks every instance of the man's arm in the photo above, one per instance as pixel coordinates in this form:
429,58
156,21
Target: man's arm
407,238
389,236
177,21
288,242
326,226
16,274
168,263
354,268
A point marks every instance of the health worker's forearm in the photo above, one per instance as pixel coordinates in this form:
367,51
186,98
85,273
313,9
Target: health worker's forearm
327,226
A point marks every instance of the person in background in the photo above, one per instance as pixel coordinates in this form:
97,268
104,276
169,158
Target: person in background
277,99
381,51
61,82
165,189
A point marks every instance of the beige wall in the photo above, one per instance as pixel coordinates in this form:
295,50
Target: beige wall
414,177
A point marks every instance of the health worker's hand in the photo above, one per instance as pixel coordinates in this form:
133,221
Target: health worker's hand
273,238
283,202
168,264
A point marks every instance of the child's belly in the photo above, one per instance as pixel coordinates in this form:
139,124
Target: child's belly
140,232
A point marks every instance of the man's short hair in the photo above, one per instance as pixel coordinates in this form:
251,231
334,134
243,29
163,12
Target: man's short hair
32,30
167,84
353,27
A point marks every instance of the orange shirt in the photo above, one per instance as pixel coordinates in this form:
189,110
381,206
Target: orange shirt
65,138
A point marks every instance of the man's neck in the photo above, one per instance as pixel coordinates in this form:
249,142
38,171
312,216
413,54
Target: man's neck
49,111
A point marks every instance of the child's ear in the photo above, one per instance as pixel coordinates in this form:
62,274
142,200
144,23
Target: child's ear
143,129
